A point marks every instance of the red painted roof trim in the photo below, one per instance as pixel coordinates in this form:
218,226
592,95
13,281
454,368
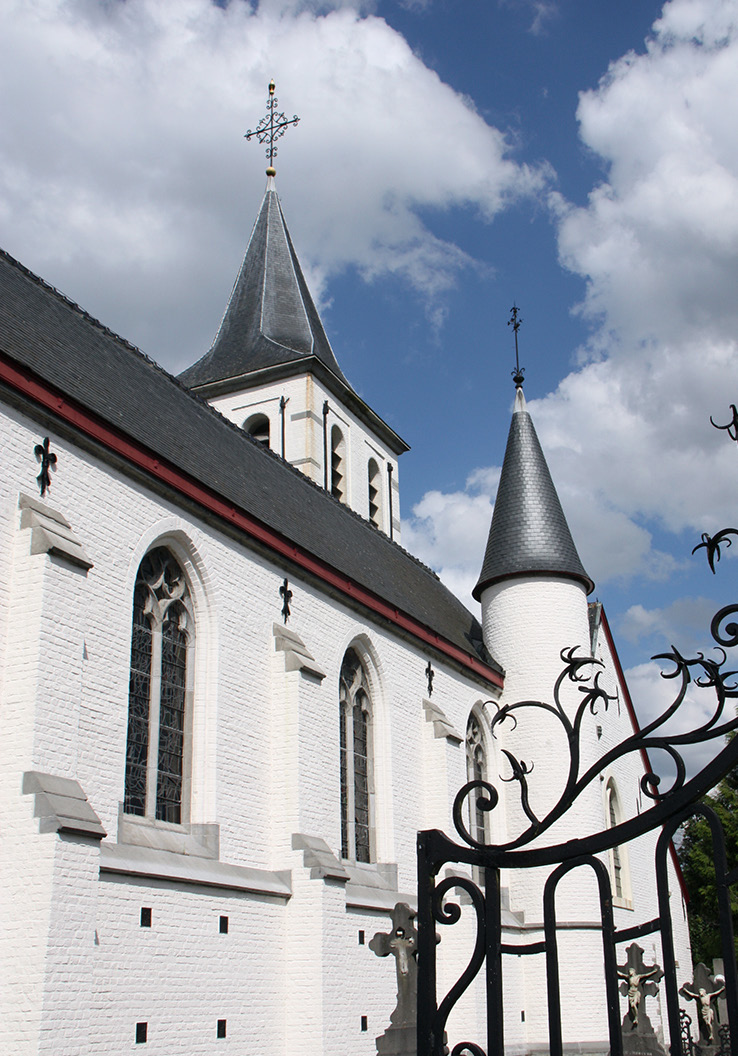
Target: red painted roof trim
636,728
45,395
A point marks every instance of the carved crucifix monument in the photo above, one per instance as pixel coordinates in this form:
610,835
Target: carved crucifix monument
401,942
704,990
639,982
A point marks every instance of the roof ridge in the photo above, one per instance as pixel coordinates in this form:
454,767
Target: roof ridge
202,402
79,310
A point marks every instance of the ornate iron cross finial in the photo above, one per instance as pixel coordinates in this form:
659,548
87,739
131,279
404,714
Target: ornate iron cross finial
48,461
514,321
430,675
271,128
286,594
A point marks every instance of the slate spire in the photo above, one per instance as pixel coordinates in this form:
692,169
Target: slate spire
271,320
529,533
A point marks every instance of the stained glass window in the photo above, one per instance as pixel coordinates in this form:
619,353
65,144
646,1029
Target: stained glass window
161,650
356,761
476,770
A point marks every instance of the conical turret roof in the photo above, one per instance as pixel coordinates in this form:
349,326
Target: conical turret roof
529,533
271,318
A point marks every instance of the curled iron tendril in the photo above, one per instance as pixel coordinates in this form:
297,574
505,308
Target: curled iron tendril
712,544
486,802
704,672
467,1048
732,427
450,914
728,636
595,693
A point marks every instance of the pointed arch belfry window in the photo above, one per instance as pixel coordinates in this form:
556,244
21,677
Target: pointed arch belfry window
160,676
338,464
375,493
476,770
357,779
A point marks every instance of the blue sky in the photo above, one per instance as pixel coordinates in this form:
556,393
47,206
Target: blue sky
578,157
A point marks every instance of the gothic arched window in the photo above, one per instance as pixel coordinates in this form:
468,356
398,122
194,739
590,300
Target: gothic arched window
375,494
258,427
357,782
618,855
476,770
160,678
338,459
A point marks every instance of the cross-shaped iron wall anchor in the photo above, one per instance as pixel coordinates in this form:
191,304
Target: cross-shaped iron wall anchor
430,675
48,462
286,595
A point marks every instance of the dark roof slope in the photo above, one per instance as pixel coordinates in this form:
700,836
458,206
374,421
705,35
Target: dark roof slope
272,329
54,338
529,533
270,318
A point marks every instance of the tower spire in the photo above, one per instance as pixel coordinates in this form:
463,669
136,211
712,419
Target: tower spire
514,321
271,128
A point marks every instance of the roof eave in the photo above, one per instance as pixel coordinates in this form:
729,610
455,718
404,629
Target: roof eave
307,365
548,573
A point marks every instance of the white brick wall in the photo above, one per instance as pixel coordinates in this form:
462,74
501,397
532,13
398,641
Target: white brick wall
78,970
304,439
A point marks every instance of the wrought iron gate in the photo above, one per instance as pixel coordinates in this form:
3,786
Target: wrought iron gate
668,810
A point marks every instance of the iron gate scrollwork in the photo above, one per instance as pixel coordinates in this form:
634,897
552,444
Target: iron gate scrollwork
668,809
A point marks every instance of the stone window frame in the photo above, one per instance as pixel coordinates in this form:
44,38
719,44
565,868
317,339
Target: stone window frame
173,595
618,860
355,694
477,769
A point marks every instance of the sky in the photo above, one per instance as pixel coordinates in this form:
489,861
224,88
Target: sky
576,157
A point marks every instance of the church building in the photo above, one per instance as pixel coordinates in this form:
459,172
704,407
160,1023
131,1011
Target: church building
230,698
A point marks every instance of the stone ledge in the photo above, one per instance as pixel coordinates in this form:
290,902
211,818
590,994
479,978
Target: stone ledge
318,858
130,860
384,900
51,532
297,657
441,725
61,805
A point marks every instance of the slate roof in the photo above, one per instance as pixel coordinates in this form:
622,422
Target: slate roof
271,327
61,344
529,533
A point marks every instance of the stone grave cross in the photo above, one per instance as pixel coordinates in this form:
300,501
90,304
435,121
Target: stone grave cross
639,981
703,990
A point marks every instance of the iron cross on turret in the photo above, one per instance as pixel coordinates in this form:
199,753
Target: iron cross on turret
271,127
514,321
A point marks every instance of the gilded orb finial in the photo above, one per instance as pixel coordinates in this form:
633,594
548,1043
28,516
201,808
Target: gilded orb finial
271,128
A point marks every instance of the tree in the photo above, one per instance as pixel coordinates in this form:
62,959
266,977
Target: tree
696,859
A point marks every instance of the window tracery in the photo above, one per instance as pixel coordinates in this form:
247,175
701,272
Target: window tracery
476,770
356,760
161,650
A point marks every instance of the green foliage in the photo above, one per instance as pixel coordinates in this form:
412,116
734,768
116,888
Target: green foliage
696,859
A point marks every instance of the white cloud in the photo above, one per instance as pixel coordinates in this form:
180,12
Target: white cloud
652,694
449,533
627,434
124,173
685,622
